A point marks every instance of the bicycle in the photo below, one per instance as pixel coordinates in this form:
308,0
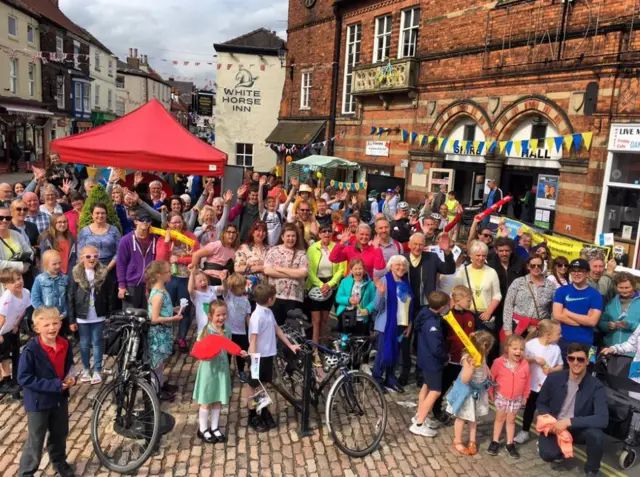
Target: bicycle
125,424
356,411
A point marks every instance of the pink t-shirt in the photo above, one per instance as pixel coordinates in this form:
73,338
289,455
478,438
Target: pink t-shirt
218,253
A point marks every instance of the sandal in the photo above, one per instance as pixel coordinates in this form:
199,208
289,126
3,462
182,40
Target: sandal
460,448
473,449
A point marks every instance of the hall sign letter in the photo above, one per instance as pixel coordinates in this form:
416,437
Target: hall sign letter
244,96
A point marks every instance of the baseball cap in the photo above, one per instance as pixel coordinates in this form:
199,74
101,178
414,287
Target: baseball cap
403,205
579,264
389,190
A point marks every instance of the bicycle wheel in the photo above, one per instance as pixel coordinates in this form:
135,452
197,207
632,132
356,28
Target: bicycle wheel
356,413
289,376
125,425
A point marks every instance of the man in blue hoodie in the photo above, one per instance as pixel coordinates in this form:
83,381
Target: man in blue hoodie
136,251
432,357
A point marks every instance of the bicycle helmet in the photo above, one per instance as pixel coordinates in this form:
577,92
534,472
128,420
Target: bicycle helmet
316,294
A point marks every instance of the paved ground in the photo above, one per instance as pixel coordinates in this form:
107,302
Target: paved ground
16,177
279,452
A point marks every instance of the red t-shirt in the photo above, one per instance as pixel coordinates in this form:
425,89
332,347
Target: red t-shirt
57,355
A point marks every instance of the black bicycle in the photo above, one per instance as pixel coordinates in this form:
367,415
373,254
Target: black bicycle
355,410
125,425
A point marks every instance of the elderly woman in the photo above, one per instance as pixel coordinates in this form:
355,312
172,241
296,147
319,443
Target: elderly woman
394,305
213,219
250,256
529,299
50,205
287,266
483,282
621,317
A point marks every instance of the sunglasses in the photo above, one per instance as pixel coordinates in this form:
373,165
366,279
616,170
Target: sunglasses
305,210
562,265
577,359
326,231
535,265
6,218
89,257
146,220
487,235
21,209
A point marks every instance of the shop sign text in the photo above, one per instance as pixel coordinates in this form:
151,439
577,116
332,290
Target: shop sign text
625,137
243,97
529,154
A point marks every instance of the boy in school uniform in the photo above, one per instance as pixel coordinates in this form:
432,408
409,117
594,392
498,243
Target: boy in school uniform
45,373
262,340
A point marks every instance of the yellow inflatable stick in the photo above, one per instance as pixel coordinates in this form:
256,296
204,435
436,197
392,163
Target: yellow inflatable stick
473,351
174,235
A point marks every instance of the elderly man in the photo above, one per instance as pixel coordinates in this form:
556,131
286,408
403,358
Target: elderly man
35,215
424,268
384,242
579,403
155,194
6,194
19,223
601,279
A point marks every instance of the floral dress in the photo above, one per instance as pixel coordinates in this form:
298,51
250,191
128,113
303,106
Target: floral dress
213,380
160,336
287,288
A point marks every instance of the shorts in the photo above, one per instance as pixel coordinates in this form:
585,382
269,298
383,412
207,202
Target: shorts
508,405
266,372
9,346
282,307
432,379
312,305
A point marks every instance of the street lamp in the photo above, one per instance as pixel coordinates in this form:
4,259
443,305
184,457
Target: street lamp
282,56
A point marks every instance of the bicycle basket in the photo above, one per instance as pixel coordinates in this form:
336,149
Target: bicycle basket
114,334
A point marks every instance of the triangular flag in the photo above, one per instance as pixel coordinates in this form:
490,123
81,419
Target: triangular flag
549,144
440,141
357,185
586,138
558,143
445,141
517,145
332,182
503,144
477,147
420,140
492,146
413,137
456,145
405,135
467,147
533,144
430,139
577,141
525,148
373,130
568,141
508,147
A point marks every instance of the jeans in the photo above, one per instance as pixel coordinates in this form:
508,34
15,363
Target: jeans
56,421
91,336
177,289
593,438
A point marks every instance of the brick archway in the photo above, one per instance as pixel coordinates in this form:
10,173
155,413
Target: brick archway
511,117
448,118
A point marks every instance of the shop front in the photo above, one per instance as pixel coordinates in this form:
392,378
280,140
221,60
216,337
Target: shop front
102,117
619,212
22,134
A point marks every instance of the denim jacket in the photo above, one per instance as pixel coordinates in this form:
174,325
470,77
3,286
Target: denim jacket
461,391
50,291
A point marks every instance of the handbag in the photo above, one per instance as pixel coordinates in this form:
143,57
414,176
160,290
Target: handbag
479,324
23,257
349,318
524,323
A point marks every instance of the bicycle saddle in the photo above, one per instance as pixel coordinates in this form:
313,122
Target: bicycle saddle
137,312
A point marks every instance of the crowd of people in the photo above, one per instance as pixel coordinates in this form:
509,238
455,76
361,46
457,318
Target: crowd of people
240,266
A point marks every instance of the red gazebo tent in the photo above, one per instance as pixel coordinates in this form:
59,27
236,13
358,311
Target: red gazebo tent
147,139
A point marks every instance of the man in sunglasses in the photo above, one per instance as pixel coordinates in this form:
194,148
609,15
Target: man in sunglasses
136,251
577,306
579,403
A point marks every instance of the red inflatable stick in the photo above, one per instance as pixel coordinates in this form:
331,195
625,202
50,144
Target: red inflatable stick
212,345
493,208
453,223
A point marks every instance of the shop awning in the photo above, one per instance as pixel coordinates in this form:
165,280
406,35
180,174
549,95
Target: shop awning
299,133
22,109
102,117
327,162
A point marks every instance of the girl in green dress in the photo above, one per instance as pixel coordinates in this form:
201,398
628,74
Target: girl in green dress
161,311
213,380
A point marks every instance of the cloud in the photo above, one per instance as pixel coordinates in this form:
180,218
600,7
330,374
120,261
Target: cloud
167,30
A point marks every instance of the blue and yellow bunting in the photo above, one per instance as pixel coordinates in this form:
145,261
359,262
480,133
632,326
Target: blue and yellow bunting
353,186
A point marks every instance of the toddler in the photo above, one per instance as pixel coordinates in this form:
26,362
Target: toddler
239,312
50,287
511,374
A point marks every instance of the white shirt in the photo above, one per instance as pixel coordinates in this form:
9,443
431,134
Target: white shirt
201,301
550,353
274,226
263,324
13,308
238,307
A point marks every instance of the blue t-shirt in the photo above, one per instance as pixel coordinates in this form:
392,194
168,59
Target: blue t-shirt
580,302
491,198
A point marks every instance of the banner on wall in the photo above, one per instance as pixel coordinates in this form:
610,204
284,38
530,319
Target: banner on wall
558,246
547,192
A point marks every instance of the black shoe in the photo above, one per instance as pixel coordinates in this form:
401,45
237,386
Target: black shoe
397,388
419,381
256,423
443,418
493,449
206,436
512,451
268,419
165,396
559,464
4,385
63,469
403,380
169,388
219,436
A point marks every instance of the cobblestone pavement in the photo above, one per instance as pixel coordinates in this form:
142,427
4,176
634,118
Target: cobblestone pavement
278,452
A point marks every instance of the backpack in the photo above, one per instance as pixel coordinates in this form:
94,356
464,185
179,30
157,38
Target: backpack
264,216
365,212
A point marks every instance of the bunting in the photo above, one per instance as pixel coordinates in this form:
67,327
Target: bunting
523,147
353,186
294,149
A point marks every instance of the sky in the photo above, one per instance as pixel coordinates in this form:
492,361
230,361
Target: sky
183,30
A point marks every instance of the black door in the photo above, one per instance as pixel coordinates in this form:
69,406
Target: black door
381,183
516,182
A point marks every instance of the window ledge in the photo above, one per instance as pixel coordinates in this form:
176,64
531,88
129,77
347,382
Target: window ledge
13,38
305,108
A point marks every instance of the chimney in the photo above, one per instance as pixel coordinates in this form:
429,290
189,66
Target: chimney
135,52
130,53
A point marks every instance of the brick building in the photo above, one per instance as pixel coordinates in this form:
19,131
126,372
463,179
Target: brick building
477,71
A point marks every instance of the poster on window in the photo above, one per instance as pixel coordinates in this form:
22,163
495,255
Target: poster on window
547,192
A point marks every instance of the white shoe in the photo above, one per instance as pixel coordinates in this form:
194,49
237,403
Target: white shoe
85,376
423,431
522,437
431,423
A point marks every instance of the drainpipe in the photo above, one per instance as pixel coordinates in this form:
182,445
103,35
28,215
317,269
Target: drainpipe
335,77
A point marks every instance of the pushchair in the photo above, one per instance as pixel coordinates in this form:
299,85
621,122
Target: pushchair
624,410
